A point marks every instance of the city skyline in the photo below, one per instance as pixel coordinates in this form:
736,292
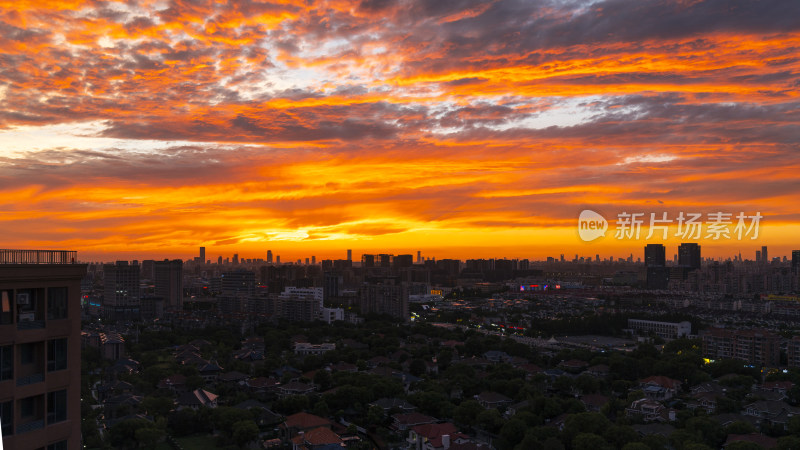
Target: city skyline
458,129
637,255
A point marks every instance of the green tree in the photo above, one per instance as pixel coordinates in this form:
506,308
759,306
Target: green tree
244,431
157,406
148,437
635,446
743,445
589,441
467,412
712,431
512,432
490,420
323,379
788,443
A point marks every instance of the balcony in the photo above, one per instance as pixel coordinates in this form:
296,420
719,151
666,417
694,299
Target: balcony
30,325
30,379
30,426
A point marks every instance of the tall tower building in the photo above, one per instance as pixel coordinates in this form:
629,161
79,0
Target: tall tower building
121,291
236,258
655,255
269,256
796,260
369,260
689,255
169,282
202,255
758,256
40,349
349,255
764,256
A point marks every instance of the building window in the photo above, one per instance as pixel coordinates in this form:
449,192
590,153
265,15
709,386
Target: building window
27,407
58,446
57,406
27,353
6,362
7,417
5,307
57,303
56,354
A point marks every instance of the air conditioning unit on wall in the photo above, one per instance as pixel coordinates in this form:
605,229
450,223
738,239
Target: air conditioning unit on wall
23,298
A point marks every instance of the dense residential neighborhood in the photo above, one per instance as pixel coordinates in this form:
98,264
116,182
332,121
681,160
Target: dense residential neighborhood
383,384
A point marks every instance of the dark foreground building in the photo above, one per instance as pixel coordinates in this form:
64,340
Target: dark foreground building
40,349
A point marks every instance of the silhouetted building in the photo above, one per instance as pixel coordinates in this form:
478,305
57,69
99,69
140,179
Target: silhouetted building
758,347
152,307
689,255
385,298
331,285
169,282
240,282
401,261
349,255
121,291
655,255
367,260
269,256
40,350
202,255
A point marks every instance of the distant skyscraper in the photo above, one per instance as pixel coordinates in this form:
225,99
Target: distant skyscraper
689,255
796,259
236,258
314,260
307,261
121,287
758,255
269,256
764,256
367,260
219,260
419,256
401,261
349,255
655,255
202,255
169,282
278,259
562,257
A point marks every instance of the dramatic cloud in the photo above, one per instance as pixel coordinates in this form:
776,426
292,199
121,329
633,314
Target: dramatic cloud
458,128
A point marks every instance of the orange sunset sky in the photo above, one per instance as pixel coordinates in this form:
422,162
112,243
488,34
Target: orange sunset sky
458,128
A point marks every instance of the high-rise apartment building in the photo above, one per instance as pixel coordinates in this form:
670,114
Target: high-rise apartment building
385,298
269,256
655,255
349,255
758,347
689,255
121,288
169,282
40,349
202,255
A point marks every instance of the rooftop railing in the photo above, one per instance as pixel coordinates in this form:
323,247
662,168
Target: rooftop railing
38,256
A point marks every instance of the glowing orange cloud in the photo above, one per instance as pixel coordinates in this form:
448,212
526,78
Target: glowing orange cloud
477,129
